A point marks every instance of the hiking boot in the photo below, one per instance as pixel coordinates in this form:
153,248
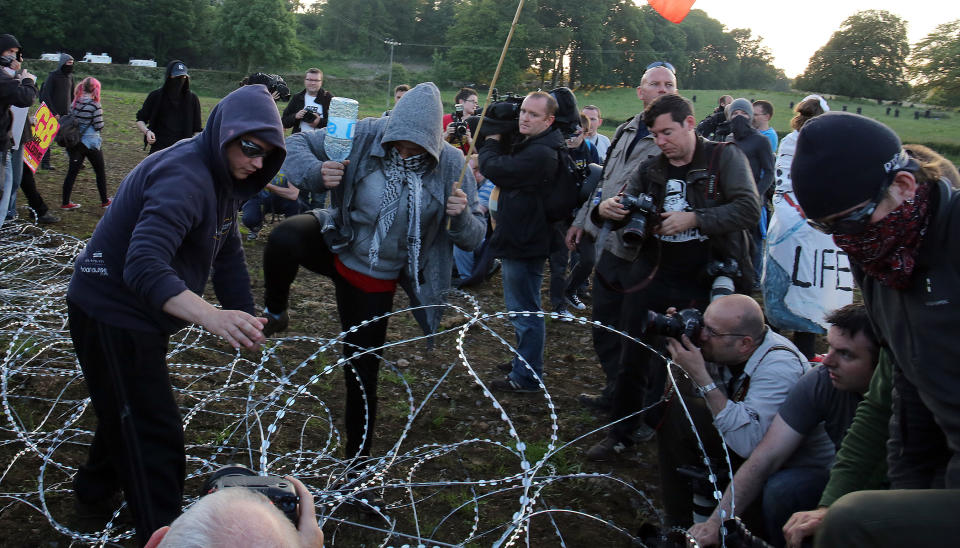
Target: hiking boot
596,402
509,385
574,301
607,449
275,323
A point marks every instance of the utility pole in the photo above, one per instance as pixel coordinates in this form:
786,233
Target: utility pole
390,42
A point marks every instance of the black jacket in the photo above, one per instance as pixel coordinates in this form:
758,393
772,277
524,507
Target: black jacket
171,124
523,177
726,215
57,92
13,93
918,325
296,104
756,147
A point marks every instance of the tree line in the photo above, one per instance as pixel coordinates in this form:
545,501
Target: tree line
556,42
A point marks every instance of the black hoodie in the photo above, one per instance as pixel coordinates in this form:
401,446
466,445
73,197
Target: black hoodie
174,220
58,88
171,112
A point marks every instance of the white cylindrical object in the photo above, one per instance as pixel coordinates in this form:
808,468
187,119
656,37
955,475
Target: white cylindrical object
341,122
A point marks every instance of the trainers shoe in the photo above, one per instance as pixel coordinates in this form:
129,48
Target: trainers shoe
605,450
107,203
509,385
574,301
275,323
48,218
563,314
70,205
597,402
252,235
505,367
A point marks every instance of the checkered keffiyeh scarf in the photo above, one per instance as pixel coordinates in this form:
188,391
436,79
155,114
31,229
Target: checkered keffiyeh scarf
399,172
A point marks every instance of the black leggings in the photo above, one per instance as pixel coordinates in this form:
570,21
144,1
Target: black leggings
77,154
296,242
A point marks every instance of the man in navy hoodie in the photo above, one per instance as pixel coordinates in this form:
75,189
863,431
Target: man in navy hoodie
140,278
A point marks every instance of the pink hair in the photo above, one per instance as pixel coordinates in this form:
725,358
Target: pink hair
89,87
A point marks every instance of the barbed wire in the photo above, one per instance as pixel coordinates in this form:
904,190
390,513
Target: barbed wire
273,411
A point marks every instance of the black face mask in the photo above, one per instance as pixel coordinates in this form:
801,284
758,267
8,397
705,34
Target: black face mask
740,126
66,69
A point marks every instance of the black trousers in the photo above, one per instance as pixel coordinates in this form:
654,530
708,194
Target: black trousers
28,184
77,154
138,444
297,242
641,374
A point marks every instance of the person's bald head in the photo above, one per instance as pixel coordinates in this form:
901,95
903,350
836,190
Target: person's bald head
738,314
234,516
655,82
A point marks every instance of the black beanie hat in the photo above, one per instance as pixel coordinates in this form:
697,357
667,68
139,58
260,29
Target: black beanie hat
8,41
841,160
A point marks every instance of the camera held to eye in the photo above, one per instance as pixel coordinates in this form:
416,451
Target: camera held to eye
688,321
280,491
459,126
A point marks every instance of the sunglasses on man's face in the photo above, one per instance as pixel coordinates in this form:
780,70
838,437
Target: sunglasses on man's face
251,149
663,64
853,222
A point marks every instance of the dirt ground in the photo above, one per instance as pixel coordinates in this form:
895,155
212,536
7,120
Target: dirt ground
426,496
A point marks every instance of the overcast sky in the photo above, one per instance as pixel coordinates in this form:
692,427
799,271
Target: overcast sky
794,31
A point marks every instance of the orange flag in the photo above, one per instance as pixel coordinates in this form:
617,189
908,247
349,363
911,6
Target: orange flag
672,10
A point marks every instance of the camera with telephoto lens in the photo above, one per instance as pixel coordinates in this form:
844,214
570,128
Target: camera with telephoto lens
723,273
274,83
643,209
311,113
278,490
688,321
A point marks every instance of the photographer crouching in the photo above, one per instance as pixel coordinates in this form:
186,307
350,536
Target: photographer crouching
684,208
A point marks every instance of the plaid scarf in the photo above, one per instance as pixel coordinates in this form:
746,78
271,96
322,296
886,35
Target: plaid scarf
397,172
887,250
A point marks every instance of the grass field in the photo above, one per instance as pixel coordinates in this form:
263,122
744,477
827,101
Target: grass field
940,132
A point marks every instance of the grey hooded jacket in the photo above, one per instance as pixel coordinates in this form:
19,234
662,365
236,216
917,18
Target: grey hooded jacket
415,118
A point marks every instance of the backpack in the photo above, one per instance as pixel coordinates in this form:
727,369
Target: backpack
68,135
566,194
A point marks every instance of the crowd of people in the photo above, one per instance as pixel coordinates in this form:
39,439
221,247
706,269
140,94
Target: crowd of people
683,226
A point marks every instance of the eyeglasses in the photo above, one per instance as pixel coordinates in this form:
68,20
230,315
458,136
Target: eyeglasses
856,221
251,149
711,332
663,64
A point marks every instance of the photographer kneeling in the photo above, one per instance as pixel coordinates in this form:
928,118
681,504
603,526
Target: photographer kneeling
755,371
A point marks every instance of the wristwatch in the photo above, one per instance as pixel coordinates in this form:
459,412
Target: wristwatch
702,390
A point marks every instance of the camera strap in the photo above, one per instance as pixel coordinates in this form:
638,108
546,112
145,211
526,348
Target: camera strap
713,179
